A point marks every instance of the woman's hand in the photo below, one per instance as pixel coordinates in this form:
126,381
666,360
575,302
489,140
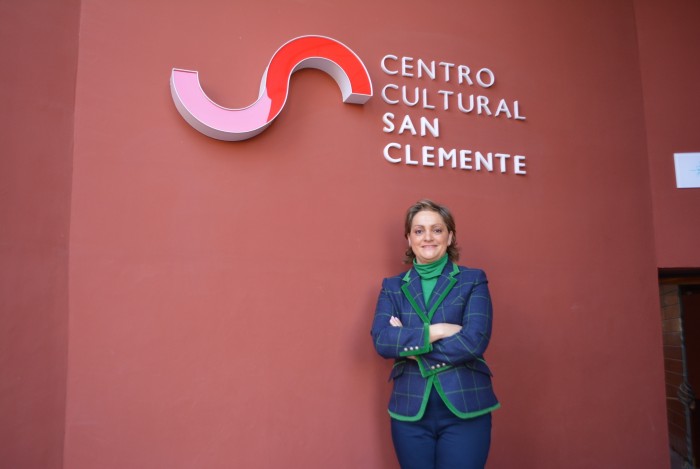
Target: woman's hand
396,322
443,330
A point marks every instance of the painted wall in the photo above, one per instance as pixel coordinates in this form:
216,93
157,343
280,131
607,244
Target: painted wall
39,50
221,294
668,38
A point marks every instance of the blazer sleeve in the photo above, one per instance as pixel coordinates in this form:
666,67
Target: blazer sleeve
396,342
469,344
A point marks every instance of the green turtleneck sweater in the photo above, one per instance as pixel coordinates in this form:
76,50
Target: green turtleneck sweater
429,274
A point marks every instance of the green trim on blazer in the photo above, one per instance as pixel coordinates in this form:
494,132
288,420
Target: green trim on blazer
453,409
425,371
423,406
403,294
427,346
441,298
409,297
429,373
414,304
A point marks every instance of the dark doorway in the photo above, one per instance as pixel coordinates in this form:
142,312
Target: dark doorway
680,312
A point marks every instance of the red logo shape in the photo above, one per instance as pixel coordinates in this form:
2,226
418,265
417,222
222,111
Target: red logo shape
318,52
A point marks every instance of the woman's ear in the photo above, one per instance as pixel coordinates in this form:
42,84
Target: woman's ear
449,239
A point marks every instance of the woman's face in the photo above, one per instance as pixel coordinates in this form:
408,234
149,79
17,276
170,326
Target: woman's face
429,237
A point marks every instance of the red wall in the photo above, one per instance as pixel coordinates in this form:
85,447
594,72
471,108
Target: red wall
39,50
668,39
221,293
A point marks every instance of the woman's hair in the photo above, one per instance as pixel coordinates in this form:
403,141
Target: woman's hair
444,212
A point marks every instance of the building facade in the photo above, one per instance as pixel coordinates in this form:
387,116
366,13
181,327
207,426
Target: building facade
174,300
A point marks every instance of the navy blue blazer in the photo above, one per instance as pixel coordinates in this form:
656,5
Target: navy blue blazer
454,365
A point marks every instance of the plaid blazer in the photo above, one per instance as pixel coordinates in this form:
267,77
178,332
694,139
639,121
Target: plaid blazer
454,365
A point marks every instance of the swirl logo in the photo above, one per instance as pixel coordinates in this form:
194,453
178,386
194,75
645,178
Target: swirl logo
222,123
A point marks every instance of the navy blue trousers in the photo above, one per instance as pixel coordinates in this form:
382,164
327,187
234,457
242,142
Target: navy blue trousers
441,440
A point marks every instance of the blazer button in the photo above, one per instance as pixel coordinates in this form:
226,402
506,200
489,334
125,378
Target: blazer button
405,349
432,367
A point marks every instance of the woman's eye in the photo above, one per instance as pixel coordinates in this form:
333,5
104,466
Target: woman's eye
418,232
438,230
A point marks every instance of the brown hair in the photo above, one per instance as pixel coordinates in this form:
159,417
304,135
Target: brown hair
426,204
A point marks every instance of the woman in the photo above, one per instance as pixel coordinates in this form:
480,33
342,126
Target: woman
435,322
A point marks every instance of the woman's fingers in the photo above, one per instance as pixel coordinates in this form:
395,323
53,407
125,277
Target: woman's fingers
396,322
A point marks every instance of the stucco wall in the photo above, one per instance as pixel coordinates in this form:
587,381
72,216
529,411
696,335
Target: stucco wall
39,50
670,70
221,293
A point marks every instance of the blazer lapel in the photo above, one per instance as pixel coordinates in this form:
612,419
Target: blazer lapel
444,284
413,291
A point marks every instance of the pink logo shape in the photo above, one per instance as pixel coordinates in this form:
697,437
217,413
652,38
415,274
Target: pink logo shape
318,52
